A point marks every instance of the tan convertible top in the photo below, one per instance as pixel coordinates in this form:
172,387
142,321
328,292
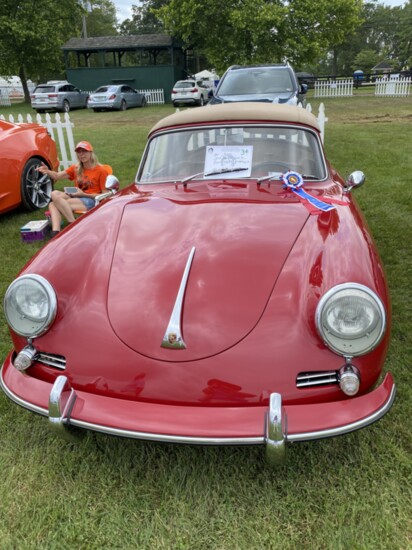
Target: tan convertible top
242,111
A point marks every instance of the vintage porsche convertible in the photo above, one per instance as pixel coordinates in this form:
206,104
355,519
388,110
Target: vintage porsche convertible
237,296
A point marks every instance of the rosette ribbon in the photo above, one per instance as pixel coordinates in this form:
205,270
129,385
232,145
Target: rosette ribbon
294,182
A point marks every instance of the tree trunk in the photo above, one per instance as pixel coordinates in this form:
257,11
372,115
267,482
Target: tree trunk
335,62
23,78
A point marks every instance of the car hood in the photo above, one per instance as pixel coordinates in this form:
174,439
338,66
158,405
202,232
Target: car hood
240,248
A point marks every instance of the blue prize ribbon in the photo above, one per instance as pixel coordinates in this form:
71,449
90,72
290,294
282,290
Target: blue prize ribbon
313,200
294,182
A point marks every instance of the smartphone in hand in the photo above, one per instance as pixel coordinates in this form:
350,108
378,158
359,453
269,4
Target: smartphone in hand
70,190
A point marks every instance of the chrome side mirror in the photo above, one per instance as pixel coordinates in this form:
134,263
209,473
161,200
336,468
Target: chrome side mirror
356,179
112,183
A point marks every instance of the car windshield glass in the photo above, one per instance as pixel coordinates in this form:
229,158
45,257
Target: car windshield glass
256,81
44,90
251,151
105,89
184,85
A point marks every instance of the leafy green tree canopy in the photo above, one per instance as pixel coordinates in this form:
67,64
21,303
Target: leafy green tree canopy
101,18
260,31
144,19
32,33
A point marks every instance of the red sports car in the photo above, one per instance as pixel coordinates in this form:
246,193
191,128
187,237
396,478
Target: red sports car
23,147
237,296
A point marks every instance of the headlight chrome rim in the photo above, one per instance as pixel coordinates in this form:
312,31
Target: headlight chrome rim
344,349
44,323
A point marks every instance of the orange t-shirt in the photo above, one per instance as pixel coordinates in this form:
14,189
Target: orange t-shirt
92,181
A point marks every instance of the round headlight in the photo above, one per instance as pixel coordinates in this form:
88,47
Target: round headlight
30,305
351,319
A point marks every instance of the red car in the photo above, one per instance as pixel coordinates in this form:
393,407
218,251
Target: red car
22,148
237,296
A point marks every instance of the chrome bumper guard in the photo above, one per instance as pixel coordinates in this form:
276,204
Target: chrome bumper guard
276,430
61,402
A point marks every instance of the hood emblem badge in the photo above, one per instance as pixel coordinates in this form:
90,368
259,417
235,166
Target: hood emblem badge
173,338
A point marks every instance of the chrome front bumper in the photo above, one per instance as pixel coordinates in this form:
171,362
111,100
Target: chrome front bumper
273,425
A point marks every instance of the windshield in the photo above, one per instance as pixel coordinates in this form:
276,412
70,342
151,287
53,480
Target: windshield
237,151
106,89
256,81
184,84
44,90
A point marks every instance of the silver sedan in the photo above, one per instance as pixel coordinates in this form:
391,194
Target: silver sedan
119,97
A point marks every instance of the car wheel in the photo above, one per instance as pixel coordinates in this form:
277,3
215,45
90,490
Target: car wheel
35,187
66,106
123,105
144,102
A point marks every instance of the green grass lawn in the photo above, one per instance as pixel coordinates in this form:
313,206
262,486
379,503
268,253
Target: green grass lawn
352,492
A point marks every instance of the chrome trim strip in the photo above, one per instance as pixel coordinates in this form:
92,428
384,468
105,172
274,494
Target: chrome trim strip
173,338
349,427
165,438
316,378
51,360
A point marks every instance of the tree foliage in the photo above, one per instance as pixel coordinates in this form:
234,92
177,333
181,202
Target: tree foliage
31,35
101,19
260,31
144,19
33,31
385,34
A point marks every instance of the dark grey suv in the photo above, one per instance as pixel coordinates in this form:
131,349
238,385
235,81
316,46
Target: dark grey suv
58,95
264,83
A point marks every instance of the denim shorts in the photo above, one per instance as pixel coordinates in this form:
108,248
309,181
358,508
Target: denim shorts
88,203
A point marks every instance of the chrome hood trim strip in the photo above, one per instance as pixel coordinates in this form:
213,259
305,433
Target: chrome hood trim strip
173,338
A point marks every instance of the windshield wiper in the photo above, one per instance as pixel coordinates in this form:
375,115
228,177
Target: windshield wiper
216,173
226,171
184,181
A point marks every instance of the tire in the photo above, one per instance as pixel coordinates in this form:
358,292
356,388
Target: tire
66,106
144,102
35,188
123,105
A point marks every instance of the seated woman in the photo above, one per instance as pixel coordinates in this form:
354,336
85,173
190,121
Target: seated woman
89,177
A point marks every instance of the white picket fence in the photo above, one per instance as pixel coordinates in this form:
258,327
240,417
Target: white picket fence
154,97
334,88
397,87
322,118
62,131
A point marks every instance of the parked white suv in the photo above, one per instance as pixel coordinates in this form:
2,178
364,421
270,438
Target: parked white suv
190,92
58,95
